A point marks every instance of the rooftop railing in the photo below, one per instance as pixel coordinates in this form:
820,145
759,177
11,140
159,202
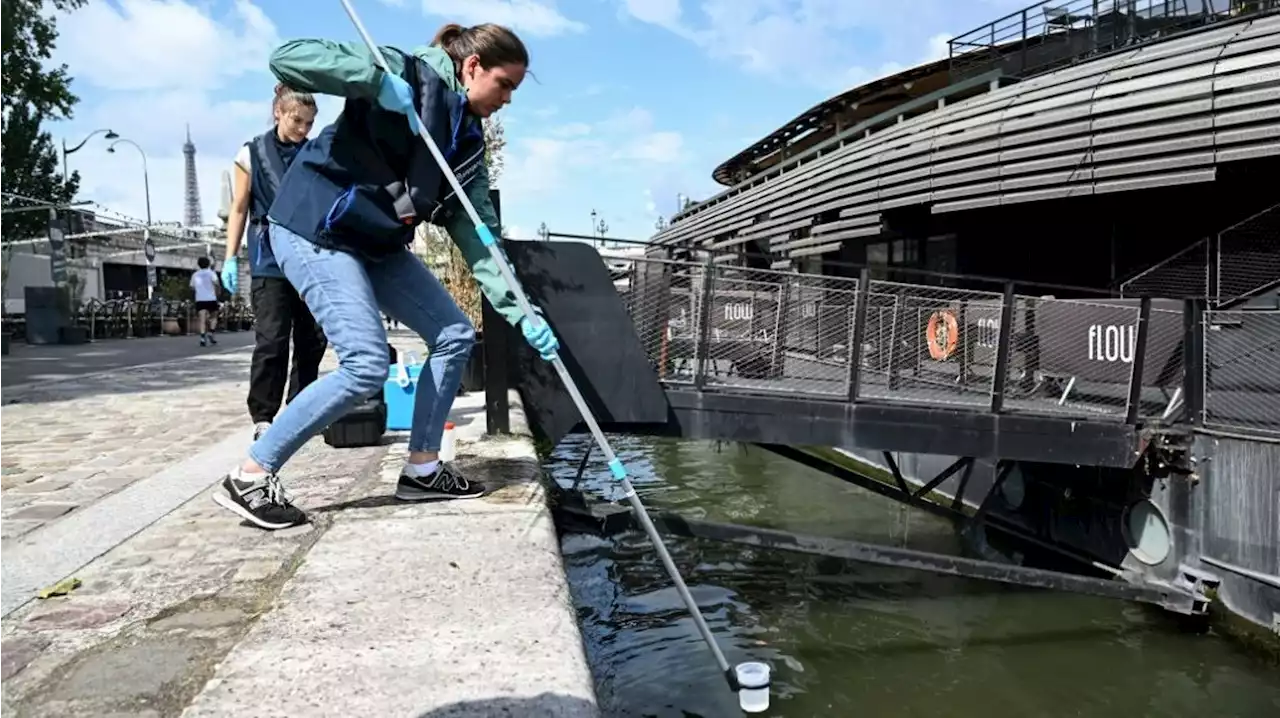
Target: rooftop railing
1054,33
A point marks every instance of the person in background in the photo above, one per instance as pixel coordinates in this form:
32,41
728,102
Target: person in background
278,310
205,284
341,226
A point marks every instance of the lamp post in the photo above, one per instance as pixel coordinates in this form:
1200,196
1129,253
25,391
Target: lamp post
147,246
111,135
543,233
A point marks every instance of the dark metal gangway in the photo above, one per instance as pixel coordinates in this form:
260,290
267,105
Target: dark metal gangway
787,360
708,350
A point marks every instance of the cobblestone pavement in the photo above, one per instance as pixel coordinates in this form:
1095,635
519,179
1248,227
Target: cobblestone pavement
71,443
156,614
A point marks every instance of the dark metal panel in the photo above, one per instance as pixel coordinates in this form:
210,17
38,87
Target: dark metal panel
1052,178
1073,144
1181,144
801,421
1072,160
1266,113
1080,189
961,179
991,200
968,189
1199,124
1156,114
1246,135
811,251
1013,136
1153,166
1162,96
1149,181
859,221
1249,152
1248,97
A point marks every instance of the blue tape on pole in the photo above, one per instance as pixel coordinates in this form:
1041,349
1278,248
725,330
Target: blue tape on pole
486,237
619,472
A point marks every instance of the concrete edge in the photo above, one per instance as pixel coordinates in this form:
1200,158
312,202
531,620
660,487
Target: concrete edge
54,552
519,423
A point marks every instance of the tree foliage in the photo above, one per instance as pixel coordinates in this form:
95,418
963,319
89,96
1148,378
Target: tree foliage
33,94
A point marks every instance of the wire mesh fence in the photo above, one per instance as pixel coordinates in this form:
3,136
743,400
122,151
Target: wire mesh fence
1249,256
773,331
1242,371
932,345
1185,274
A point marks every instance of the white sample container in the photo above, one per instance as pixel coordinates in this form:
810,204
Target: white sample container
753,686
449,443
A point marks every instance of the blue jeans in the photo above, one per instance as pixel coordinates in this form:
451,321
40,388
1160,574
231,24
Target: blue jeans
346,294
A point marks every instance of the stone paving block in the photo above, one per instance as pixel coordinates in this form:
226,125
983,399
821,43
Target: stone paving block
76,612
42,512
13,528
256,570
40,486
16,653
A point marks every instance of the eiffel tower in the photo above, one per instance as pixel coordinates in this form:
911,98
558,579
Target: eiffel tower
191,215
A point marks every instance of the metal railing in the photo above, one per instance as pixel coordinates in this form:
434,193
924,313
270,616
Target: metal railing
1054,33
1239,262
1241,376
721,327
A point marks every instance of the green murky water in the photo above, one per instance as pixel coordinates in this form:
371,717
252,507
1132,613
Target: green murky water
855,640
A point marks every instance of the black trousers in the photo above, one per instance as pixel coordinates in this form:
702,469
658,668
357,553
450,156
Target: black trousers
278,312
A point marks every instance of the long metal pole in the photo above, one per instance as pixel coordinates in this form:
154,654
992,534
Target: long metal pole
615,466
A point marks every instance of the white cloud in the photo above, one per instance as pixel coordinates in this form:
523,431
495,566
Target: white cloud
824,43
528,16
133,86
154,44
627,141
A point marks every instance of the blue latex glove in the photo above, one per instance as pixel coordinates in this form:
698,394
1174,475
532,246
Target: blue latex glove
394,94
540,336
231,273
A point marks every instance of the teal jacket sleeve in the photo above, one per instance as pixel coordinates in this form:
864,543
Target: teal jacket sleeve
477,255
325,67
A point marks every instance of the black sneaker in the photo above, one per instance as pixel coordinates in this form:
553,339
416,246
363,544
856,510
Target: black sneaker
262,502
204,341
445,483
211,339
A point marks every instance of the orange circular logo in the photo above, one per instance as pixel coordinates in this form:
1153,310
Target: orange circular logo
942,334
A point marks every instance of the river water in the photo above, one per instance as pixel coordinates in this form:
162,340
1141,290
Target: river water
848,639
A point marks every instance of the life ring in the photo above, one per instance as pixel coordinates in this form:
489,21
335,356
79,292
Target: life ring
942,334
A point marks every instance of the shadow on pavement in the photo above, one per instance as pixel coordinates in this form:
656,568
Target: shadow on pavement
189,373
547,705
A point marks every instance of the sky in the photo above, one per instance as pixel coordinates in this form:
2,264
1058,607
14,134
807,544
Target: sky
635,102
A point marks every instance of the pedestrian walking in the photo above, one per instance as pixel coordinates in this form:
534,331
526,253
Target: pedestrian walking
278,310
341,225
205,285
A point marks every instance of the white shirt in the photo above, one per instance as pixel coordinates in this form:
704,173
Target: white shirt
205,282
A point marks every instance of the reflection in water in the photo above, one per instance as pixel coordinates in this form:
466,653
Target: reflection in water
856,640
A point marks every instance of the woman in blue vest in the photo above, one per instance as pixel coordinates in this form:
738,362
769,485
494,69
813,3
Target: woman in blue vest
278,310
341,224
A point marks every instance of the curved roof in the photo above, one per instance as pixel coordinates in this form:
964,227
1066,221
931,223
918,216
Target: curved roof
825,118
1166,113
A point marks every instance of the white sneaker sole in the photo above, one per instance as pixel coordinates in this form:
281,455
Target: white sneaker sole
240,511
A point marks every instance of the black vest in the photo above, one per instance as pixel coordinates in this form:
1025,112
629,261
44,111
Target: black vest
267,169
367,180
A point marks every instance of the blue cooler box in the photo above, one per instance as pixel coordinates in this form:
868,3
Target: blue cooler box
399,390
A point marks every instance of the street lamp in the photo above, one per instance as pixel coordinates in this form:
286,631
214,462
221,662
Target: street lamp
147,246
543,233
111,135
146,181
602,228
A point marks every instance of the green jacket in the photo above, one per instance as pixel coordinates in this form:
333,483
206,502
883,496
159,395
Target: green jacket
347,69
